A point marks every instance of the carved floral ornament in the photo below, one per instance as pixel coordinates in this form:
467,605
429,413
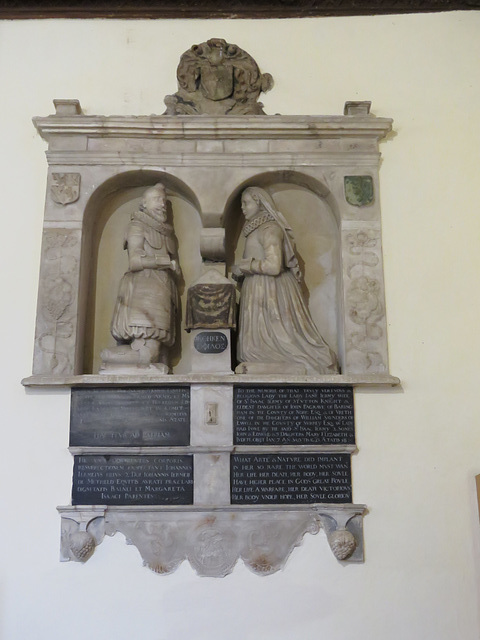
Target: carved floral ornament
218,78
212,543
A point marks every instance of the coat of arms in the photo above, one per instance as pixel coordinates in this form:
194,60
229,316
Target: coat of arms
65,187
218,78
359,190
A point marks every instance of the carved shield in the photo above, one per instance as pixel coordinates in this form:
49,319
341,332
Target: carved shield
359,190
216,82
65,187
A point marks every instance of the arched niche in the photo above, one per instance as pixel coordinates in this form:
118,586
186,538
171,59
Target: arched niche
104,261
312,213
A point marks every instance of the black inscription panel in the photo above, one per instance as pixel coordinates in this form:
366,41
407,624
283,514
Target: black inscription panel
127,416
210,342
130,480
293,415
290,478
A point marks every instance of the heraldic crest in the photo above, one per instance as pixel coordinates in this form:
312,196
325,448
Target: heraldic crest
218,78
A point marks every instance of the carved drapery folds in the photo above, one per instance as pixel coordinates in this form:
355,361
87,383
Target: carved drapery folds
211,306
218,78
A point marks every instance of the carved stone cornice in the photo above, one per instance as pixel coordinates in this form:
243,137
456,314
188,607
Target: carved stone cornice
355,380
221,127
131,161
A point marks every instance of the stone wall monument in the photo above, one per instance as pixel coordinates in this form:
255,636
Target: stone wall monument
206,464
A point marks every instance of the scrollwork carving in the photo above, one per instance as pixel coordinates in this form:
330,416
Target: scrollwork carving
212,541
364,300
365,309
58,299
57,305
362,245
364,305
218,78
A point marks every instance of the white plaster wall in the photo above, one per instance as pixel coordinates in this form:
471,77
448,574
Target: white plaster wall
419,445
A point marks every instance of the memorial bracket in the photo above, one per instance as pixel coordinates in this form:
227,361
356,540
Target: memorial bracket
212,540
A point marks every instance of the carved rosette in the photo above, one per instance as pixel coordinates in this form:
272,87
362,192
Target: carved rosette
213,541
57,302
218,78
365,323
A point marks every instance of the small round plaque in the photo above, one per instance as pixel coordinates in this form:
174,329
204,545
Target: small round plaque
210,342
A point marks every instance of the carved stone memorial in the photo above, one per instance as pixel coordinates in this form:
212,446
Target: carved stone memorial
276,332
212,406
143,322
218,78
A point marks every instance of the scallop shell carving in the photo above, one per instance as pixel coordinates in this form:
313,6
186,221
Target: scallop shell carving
163,568
262,565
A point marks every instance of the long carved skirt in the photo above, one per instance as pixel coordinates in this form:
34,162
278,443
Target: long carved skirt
145,307
275,325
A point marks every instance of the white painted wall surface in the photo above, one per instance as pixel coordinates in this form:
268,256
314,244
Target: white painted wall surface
419,444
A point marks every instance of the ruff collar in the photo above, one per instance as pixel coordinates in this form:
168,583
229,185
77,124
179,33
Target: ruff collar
257,222
142,215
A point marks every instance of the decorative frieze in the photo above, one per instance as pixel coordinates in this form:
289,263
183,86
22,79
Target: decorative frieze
212,542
